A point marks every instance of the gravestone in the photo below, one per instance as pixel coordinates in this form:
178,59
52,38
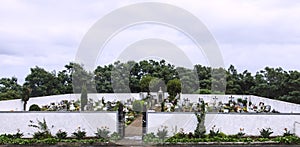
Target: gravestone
160,94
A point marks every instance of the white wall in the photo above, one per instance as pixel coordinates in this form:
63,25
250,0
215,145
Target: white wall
227,123
11,121
281,106
17,105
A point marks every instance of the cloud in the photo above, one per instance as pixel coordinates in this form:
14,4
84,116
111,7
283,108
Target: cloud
251,34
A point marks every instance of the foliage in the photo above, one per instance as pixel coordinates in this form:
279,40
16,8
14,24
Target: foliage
274,83
42,82
43,129
19,134
102,133
265,133
174,87
26,91
61,134
287,133
213,132
4,140
79,134
241,133
115,136
150,138
34,107
138,106
162,134
200,129
83,97
10,89
288,139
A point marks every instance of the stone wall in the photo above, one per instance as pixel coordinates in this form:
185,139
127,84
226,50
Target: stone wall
11,121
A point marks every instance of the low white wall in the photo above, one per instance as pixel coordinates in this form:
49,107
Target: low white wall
281,106
11,121
226,123
17,105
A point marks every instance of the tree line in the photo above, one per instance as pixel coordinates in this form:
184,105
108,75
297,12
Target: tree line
150,75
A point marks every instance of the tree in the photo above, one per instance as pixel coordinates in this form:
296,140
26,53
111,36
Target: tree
173,88
145,83
189,80
42,83
10,89
232,78
25,96
81,77
65,80
83,97
200,129
138,106
103,79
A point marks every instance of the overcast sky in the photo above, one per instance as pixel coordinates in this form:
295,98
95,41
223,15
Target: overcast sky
251,34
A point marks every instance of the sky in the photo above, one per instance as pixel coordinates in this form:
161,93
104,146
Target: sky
251,34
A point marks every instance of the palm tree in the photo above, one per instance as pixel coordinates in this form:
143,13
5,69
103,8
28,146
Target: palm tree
26,91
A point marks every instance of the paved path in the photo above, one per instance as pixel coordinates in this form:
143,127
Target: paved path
133,133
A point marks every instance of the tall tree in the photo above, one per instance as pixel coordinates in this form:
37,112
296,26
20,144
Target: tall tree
25,95
42,83
83,97
173,88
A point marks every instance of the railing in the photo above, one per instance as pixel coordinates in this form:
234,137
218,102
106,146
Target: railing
294,125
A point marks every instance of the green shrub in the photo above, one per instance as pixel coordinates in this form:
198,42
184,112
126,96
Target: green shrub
179,135
200,129
44,131
34,107
61,134
287,133
79,134
162,134
115,136
49,141
213,133
265,133
14,136
288,140
150,138
138,106
102,133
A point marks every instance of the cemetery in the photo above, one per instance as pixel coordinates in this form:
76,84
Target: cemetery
226,118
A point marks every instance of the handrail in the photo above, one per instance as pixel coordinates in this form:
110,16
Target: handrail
294,125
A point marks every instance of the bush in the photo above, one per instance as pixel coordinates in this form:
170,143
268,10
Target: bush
34,107
79,134
41,135
61,134
44,131
138,106
115,136
102,133
14,136
162,134
150,138
287,133
265,133
213,133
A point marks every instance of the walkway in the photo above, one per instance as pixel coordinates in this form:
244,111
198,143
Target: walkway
133,133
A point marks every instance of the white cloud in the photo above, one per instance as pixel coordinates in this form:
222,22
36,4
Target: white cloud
251,34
